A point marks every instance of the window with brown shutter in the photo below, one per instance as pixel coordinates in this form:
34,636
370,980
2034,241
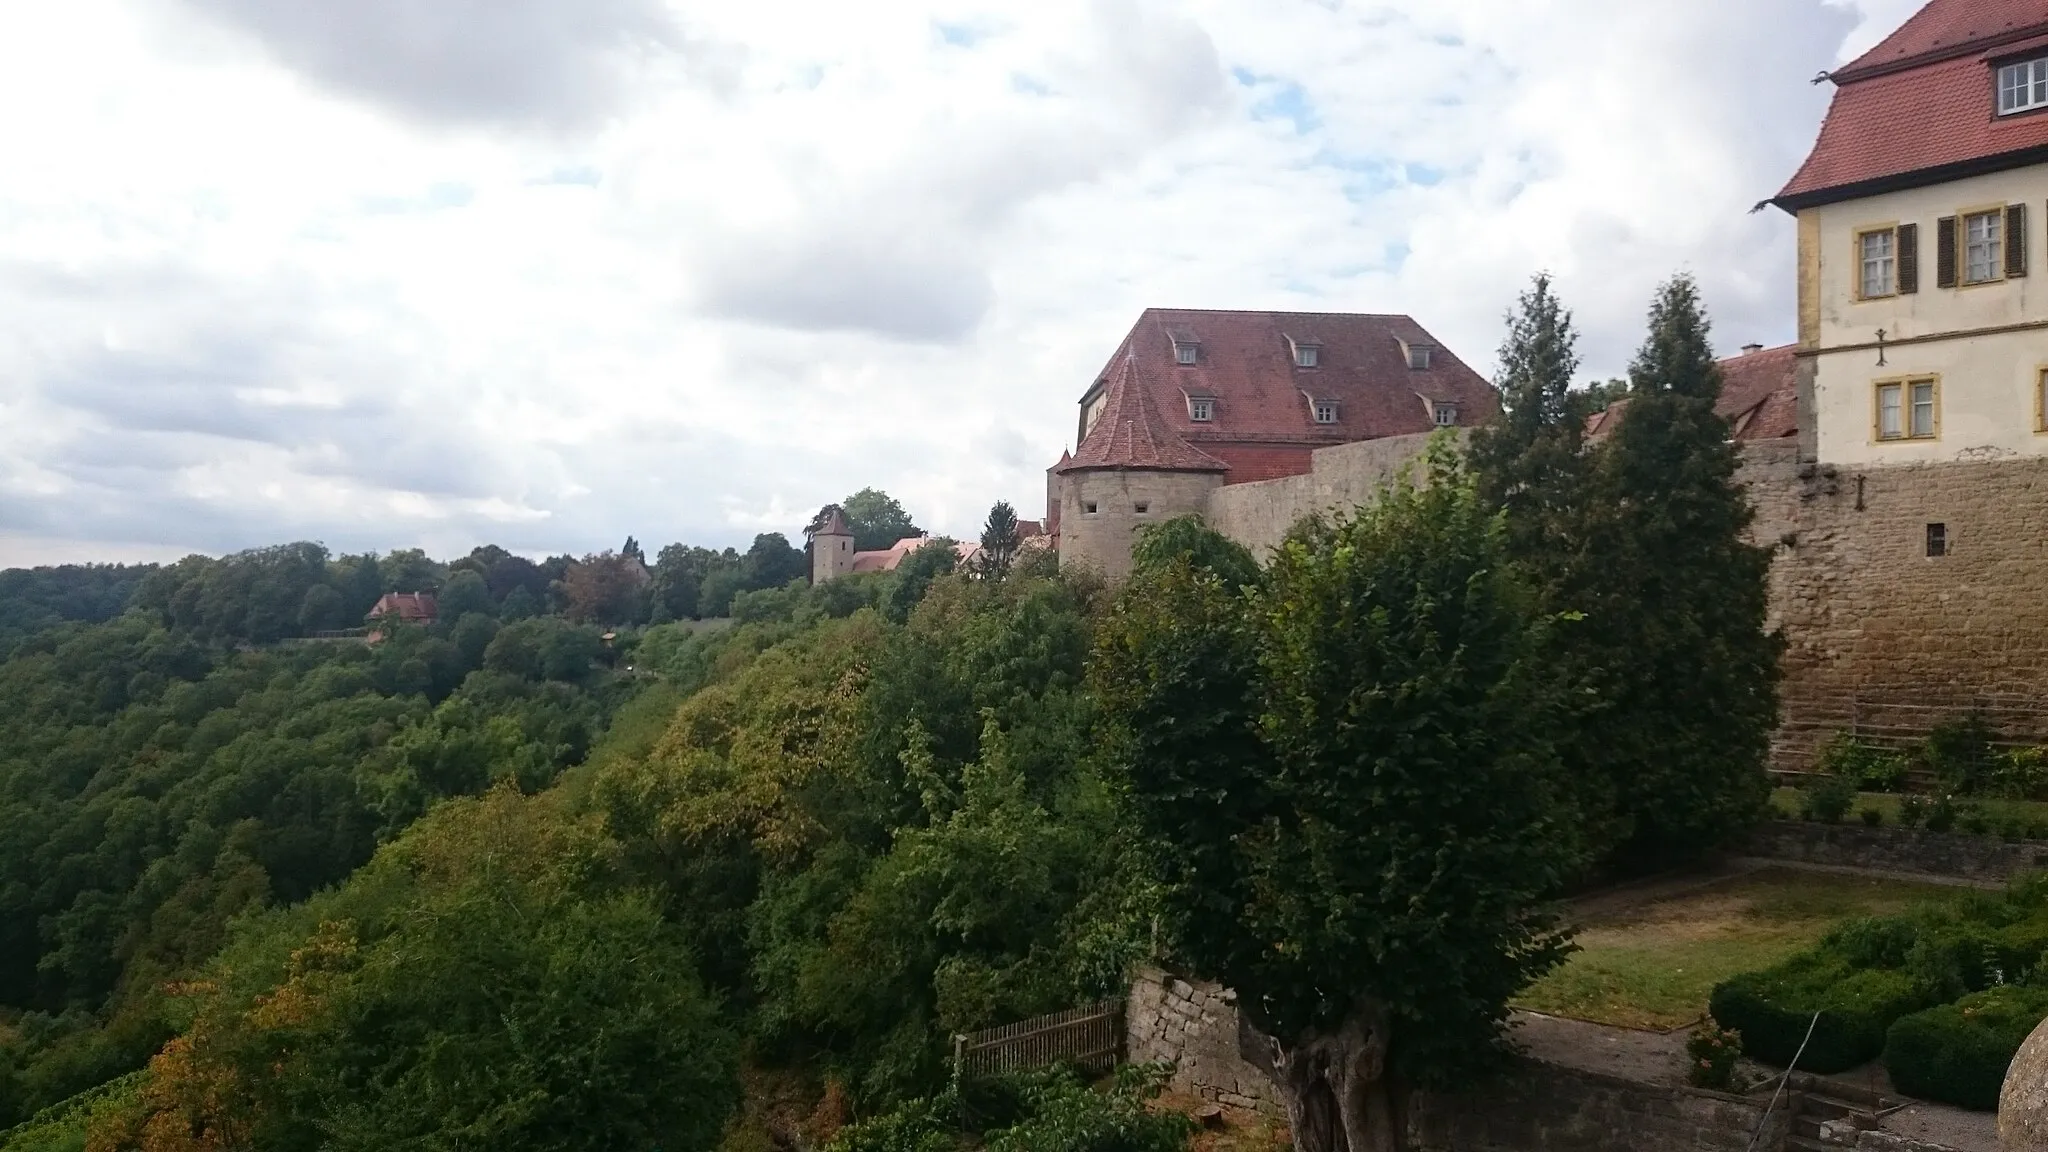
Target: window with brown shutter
1909,259
2016,240
1945,253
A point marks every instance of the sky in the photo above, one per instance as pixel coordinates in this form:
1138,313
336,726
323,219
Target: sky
546,273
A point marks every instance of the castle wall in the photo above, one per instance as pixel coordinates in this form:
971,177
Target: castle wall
1101,513
1888,640
831,556
1259,514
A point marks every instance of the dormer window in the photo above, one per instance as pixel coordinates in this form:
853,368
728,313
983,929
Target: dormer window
1446,415
1418,357
1326,411
1201,409
2023,87
1305,355
1186,353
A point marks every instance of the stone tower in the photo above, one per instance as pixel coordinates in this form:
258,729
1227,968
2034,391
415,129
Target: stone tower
1130,471
831,547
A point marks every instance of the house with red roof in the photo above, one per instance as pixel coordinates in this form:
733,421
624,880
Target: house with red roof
1193,401
1921,235
404,607
1759,397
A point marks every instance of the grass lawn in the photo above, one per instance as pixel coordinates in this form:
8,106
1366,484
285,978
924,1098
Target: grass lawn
1653,965
1785,801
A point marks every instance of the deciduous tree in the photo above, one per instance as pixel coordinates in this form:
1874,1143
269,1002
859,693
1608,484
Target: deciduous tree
1359,810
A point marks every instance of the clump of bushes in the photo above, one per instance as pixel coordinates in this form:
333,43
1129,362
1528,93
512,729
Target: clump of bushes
1970,975
1829,800
1713,1051
1960,753
1772,1010
1958,1053
1869,766
1049,1111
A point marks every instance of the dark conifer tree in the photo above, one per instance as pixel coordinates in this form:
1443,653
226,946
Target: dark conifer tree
1678,612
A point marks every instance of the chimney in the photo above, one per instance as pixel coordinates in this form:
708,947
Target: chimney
1751,349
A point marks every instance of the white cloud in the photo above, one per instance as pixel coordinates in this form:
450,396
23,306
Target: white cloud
549,273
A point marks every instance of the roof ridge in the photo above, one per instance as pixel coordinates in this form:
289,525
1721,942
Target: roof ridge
1934,22
1281,312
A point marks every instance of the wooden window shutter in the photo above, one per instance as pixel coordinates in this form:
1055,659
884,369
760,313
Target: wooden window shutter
2016,240
1945,253
1909,259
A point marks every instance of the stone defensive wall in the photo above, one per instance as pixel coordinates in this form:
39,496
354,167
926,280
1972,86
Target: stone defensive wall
1907,595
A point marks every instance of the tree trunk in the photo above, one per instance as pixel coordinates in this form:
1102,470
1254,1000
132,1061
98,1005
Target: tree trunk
1335,1085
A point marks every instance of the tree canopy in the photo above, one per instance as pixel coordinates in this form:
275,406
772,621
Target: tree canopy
877,520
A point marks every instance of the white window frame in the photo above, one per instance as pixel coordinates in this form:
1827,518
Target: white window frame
1991,244
1186,353
2023,86
1418,357
1306,355
1878,270
1446,415
1917,428
1891,411
1325,411
1202,410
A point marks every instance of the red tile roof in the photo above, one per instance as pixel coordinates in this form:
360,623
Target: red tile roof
1759,397
887,559
1923,101
833,523
412,607
1131,434
1262,420
1759,393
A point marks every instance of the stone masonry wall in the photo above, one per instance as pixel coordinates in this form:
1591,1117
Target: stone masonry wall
1535,1108
1887,640
1258,515
1914,850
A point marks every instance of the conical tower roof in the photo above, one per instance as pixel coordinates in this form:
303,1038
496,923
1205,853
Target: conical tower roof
834,524
1131,434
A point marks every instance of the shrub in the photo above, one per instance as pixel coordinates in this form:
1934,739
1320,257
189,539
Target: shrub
1713,1051
2020,774
1870,766
1872,817
1829,800
1974,821
918,1126
1873,941
1958,1053
1912,811
1067,1116
1941,815
1773,1008
1959,752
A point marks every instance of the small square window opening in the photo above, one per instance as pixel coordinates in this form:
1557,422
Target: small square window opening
1141,509
1201,411
1305,355
1984,247
1937,539
1087,507
1446,415
1186,353
1326,412
1418,356
1879,253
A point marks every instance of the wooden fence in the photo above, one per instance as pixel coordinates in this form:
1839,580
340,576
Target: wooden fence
1091,1036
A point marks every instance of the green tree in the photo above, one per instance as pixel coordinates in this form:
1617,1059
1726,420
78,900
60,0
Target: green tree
721,584
321,609
771,562
1187,538
1678,610
520,604
679,572
1362,821
877,520
934,558
1531,467
998,541
464,593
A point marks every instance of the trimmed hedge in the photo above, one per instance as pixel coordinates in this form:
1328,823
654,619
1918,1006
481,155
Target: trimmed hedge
1772,1009
1958,1053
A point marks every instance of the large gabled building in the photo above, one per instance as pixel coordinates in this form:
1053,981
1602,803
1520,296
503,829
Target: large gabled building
1921,234
1193,401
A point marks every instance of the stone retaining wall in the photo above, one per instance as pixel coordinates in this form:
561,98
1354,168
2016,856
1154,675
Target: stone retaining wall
1842,1134
1536,1107
1912,850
